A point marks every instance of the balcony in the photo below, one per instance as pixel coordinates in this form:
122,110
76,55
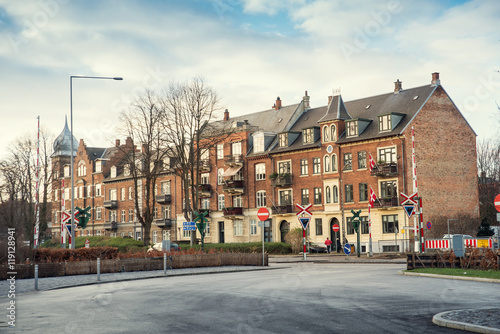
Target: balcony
281,180
163,199
113,226
385,169
233,160
233,213
204,166
204,190
282,209
234,186
112,204
163,222
386,203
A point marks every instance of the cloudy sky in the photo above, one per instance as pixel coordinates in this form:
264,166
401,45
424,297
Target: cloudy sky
249,51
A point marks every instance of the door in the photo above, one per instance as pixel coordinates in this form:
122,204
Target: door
221,232
284,229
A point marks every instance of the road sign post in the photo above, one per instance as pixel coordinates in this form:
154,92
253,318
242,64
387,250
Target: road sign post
356,221
303,211
263,215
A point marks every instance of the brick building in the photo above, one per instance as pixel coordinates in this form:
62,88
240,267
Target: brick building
320,156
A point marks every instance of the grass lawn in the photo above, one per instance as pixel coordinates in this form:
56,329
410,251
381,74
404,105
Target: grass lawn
495,274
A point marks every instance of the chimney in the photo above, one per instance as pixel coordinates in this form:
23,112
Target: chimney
117,143
330,99
306,100
435,79
277,106
226,115
398,86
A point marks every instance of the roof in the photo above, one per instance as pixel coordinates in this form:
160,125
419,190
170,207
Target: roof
62,144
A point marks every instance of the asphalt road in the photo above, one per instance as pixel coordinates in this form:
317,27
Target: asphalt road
297,298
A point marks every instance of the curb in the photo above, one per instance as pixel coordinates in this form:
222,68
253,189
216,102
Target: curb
460,278
440,321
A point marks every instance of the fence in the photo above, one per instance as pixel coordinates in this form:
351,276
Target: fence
477,258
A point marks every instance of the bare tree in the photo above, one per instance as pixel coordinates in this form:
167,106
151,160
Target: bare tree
488,165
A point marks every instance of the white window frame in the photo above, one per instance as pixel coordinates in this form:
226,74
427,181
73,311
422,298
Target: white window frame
221,202
260,171
260,199
220,151
253,227
238,227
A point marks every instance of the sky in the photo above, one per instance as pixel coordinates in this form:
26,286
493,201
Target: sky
249,51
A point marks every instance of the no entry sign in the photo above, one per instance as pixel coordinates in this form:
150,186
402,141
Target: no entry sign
263,214
335,227
497,203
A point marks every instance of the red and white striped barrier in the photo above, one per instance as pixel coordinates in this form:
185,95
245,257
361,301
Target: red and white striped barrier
440,243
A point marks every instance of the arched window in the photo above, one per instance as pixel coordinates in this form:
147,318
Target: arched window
328,195
334,162
326,134
335,194
326,163
333,132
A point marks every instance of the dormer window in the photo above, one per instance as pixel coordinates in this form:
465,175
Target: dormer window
352,128
384,123
98,166
126,170
308,136
283,139
258,143
113,171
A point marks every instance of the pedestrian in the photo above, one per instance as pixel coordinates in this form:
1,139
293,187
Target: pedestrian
339,245
328,244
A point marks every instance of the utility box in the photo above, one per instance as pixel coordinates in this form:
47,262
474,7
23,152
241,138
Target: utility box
457,243
165,245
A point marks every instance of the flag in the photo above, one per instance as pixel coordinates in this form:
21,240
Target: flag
373,197
373,164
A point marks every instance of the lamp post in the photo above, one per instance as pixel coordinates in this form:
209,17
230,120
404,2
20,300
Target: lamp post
449,225
72,246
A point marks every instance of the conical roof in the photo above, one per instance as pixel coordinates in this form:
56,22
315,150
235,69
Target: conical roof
62,144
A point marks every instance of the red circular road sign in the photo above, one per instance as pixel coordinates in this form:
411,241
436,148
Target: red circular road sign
497,203
335,228
263,214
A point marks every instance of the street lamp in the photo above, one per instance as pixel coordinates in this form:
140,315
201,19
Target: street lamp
449,226
72,246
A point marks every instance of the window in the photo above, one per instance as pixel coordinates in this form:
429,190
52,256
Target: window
283,139
261,198
328,195
326,163
384,123
126,170
304,170
316,165
220,178
130,193
89,191
238,227
362,160
237,201
112,194
387,154
352,128
204,178
98,167
319,226
334,162
123,216
236,148
253,227
348,193
205,154
130,215
155,213
122,194
317,195
335,191
165,211
220,151
221,204
285,197
364,225
284,167
258,143
347,161
308,136
388,189
390,223
326,133
205,203
98,213
363,192
112,215
260,172
350,226
155,237
165,188
305,196
98,233
334,132
113,171
98,190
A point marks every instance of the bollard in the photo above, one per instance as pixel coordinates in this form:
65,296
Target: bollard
36,276
164,263
98,269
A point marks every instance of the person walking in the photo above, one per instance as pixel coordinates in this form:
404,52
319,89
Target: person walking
328,244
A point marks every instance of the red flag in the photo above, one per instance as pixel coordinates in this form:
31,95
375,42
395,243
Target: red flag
372,162
373,197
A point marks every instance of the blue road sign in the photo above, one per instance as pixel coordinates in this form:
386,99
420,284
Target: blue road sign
189,228
188,224
347,249
304,221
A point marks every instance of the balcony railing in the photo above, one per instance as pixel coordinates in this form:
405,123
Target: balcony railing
163,222
163,199
111,226
282,209
233,212
233,160
204,190
204,166
385,202
385,169
282,180
112,204
234,186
